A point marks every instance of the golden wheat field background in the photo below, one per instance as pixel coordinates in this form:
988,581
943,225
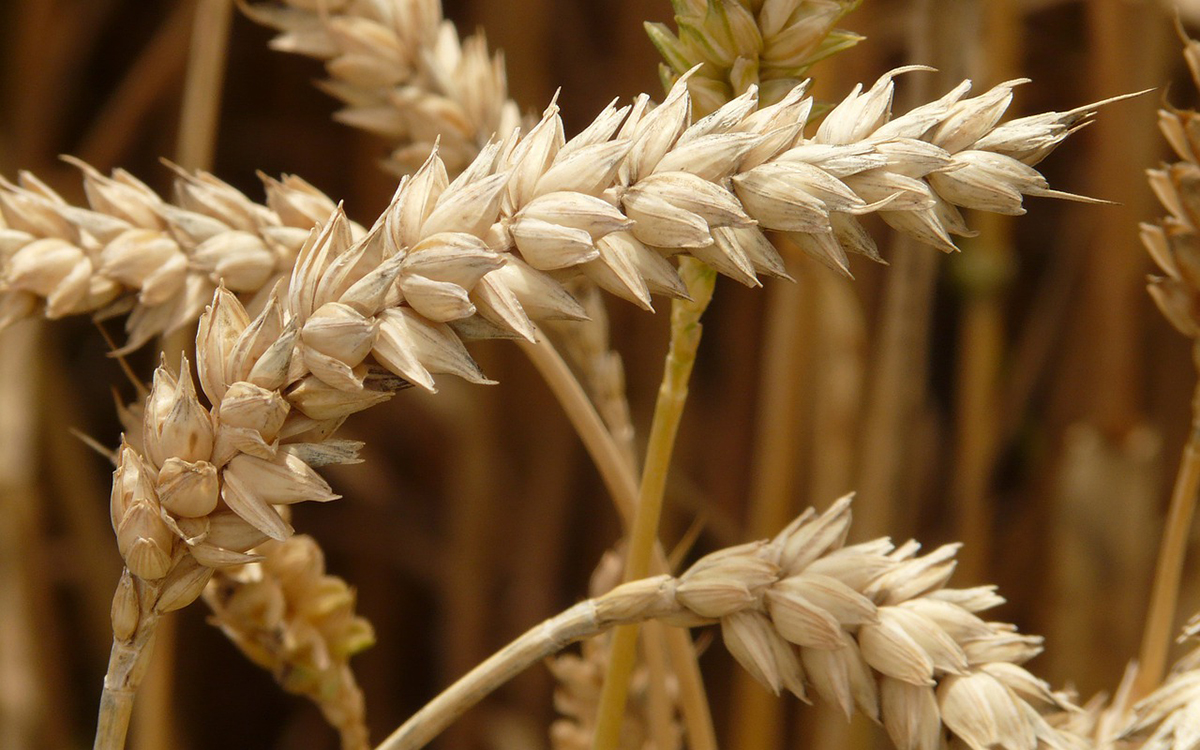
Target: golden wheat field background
1023,397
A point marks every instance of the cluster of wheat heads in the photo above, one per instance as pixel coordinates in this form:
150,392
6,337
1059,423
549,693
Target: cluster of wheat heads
306,318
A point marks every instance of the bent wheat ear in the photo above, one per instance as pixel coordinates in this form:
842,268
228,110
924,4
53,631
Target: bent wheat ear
869,627
346,308
292,619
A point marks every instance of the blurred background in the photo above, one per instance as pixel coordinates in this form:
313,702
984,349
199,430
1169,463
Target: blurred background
1023,397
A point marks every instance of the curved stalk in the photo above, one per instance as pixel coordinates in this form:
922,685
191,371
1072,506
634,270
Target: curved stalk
535,644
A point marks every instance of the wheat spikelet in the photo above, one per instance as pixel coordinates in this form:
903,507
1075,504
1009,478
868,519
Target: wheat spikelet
637,185
402,72
868,627
286,615
743,43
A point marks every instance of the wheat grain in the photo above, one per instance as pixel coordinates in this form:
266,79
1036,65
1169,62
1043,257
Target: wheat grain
868,627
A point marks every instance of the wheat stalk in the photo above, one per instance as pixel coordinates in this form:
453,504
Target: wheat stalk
1175,247
580,679
402,72
201,492
868,627
600,368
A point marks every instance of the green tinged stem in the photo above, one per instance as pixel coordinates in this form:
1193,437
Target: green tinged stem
668,412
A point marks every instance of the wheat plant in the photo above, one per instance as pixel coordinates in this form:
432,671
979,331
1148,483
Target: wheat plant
278,321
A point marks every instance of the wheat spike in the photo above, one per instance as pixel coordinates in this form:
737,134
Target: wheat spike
470,257
402,72
743,43
868,627
634,187
292,619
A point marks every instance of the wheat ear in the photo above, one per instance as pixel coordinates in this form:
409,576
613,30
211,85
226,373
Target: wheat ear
1174,245
870,626
402,72
745,43
638,184
292,619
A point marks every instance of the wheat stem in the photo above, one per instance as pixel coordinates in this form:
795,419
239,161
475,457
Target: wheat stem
660,710
622,486
202,91
535,644
668,412
1164,597
615,472
127,665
